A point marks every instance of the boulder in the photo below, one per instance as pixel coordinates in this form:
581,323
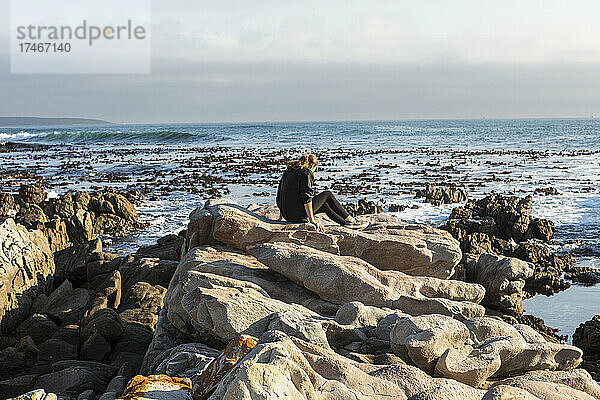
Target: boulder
468,364
414,249
417,250
517,354
96,348
503,279
185,360
141,304
424,339
71,262
106,322
224,262
10,388
28,269
108,294
205,383
151,270
166,248
66,304
577,379
75,378
325,274
213,306
504,392
32,194
52,351
38,326
240,228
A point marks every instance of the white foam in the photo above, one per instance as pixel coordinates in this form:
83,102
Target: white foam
19,135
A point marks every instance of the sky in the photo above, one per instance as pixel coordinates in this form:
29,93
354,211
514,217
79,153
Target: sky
273,60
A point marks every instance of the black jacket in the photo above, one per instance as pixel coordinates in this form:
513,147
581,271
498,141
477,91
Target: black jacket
296,189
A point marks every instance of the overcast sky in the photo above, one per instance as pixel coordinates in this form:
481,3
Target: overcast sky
266,60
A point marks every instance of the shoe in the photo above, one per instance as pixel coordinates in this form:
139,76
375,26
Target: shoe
357,225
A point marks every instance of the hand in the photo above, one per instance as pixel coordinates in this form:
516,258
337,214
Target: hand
319,226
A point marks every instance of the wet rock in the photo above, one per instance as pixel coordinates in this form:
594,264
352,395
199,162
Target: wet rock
28,272
363,207
509,216
442,195
585,278
503,279
32,194
587,338
546,191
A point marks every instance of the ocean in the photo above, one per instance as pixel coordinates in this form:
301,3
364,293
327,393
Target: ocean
178,166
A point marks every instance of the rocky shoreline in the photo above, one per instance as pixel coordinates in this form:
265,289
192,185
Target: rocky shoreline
241,306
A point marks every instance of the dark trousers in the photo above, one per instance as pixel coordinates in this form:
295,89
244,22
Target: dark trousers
325,202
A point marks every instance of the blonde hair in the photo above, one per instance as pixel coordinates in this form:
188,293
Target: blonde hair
305,161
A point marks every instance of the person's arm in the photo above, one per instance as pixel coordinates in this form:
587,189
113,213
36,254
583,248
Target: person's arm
311,217
307,192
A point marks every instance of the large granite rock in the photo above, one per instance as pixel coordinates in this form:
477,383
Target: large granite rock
342,279
477,349
210,306
503,279
244,267
414,249
26,271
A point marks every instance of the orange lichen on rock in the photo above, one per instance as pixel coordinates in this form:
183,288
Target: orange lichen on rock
205,383
150,387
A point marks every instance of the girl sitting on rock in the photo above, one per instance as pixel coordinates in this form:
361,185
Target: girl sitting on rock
296,198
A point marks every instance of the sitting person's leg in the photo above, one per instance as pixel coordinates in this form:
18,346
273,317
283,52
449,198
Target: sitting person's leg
326,202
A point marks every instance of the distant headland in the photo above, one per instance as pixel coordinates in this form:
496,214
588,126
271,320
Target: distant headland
36,121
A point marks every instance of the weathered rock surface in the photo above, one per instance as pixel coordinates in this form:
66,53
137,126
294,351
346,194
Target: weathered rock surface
442,195
415,249
244,267
503,279
26,271
325,274
477,349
